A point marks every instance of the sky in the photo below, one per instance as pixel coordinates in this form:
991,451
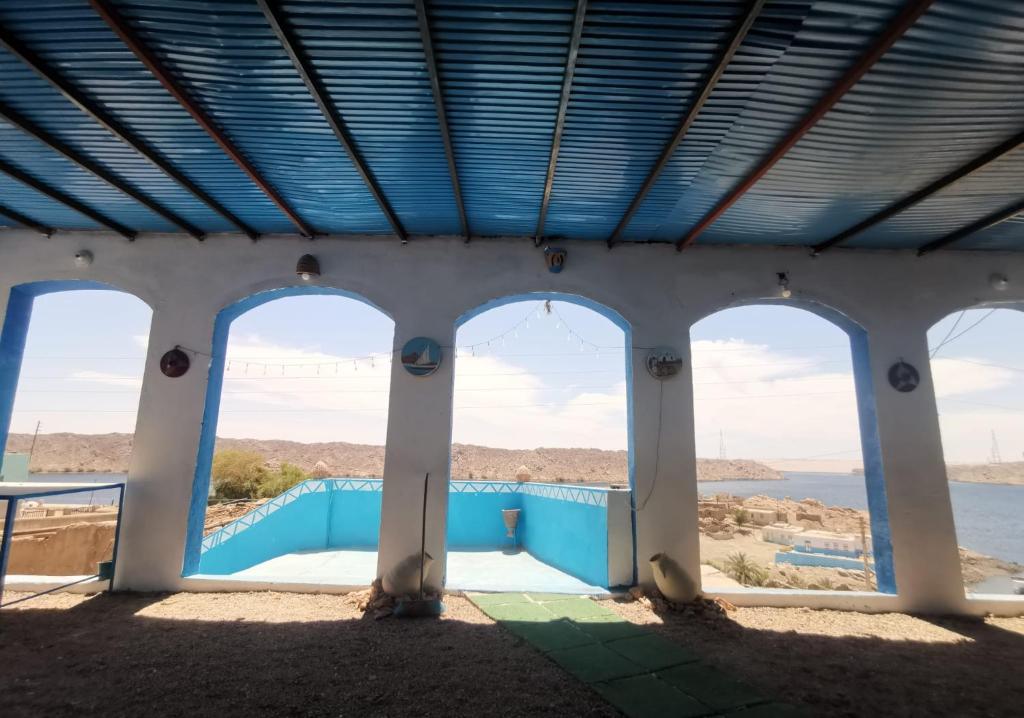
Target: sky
770,381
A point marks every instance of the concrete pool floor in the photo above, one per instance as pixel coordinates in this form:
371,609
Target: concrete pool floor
467,570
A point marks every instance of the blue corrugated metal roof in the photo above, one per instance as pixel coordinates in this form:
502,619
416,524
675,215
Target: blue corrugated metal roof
639,67
27,201
916,115
371,59
501,67
69,35
947,91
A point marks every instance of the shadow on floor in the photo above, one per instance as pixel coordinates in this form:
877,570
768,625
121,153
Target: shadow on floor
122,655
103,657
973,670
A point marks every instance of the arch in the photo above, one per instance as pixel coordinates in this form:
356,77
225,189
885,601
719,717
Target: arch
15,333
814,306
864,390
984,359
211,410
622,323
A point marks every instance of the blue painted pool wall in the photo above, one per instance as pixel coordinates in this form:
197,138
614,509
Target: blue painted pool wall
298,526
312,522
572,537
475,521
798,558
354,519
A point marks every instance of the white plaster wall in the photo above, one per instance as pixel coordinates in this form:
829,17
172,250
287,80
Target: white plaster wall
426,285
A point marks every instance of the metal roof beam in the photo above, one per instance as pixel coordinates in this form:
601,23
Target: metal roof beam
985,222
442,117
894,30
29,128
563,106
978,163
123,30
21,219
739,35
278,23
93,110
65,199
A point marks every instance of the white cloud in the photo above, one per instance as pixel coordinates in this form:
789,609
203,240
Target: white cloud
769,403
536,414
965,375
122,381
303,394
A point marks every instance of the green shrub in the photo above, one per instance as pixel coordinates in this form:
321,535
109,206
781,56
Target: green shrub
740,567
238,474
279,481
741,516
244,475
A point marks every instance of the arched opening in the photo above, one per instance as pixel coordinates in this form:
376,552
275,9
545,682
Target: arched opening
791,488
72,356
288,478
540,496
978,375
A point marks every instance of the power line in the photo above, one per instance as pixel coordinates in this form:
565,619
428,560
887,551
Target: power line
950,340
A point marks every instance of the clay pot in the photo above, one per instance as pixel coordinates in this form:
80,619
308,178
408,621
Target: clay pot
670,578
404,578
510,517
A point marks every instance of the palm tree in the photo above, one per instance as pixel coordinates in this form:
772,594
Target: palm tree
741,568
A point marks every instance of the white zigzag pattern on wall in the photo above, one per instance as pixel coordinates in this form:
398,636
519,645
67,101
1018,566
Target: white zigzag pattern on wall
312,486
572,494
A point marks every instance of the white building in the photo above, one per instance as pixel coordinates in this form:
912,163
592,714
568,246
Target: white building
814,541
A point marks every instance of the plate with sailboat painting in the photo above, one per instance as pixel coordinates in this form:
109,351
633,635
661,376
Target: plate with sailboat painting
421,356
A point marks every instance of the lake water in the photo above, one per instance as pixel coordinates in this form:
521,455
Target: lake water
989,517
103,497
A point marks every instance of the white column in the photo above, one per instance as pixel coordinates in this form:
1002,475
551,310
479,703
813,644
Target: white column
418,443
925,554
665,471
164,453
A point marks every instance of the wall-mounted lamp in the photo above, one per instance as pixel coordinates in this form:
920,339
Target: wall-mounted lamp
998,282
784,291
83,258
555,259
308,267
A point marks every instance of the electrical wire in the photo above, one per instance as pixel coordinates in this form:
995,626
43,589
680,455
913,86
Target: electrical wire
950,340
657,446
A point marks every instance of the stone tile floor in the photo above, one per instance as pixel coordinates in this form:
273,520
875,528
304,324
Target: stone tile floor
637,671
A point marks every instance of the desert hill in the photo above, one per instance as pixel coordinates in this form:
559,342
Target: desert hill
109,453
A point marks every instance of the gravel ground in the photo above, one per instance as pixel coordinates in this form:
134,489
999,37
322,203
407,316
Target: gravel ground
234,654
838,663
254,654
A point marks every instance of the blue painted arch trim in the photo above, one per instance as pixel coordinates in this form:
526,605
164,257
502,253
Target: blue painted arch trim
867,416
15,333
618,320
211,410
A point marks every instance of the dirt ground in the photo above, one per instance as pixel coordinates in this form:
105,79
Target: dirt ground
316,655
839,664
268,654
